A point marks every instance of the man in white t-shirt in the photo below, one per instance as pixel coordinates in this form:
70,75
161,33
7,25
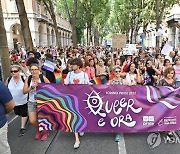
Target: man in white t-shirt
77,76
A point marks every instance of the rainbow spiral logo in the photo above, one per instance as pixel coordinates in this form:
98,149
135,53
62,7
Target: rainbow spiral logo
58,111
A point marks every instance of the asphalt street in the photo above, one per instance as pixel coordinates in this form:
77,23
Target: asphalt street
91,143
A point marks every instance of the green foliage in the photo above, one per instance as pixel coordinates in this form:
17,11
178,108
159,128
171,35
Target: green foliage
116,16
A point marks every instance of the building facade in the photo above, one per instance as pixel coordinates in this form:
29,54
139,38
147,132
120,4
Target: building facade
40,23
170,30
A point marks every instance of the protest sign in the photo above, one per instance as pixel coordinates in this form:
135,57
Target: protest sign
49,65
119,41
166,49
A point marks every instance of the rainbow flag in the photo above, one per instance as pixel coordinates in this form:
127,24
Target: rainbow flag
96,81
58,77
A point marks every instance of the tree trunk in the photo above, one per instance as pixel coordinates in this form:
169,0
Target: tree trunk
158,22
74,33
50,8
90,34
4,52
87,36
58,38
24,25
131,35
135,37
96,36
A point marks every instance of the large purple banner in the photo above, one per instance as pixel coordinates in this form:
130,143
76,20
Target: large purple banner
102,108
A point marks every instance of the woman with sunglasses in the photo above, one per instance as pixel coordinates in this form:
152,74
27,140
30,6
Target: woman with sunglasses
30,85
117,80
15,83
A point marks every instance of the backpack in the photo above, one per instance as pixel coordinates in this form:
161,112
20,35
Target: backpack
30,78
9,79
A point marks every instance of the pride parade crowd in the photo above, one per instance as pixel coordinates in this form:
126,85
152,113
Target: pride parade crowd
85,65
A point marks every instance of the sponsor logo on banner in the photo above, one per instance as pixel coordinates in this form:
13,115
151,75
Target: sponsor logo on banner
148,120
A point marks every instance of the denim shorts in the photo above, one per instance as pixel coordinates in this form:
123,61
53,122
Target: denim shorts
32,106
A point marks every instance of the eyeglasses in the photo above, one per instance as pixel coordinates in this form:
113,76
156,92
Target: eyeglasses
34,69
14,71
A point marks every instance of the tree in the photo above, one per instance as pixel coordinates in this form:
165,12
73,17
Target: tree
100,23
49,6
70,10
91,10
4,52
24,25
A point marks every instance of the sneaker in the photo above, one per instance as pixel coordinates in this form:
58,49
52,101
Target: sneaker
38,135
81,134
44,136
117,137
21,132
76,145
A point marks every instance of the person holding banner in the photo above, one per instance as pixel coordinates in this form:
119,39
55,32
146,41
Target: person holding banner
77,76
169,80
30,85
117,80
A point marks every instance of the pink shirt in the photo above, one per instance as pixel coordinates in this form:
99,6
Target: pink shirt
90,72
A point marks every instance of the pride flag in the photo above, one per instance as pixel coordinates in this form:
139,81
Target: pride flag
58,77
96,81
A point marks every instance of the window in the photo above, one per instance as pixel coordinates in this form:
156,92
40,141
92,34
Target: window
13,6
38,7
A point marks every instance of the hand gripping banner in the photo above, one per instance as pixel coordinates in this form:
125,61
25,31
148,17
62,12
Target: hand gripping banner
102,108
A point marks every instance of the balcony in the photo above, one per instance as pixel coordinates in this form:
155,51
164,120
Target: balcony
41,17
173,18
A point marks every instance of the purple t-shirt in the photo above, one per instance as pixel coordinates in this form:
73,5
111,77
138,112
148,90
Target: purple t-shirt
5,97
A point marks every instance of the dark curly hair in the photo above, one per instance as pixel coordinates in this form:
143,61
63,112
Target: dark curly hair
77,61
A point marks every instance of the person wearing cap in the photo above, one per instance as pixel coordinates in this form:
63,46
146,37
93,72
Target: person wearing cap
77,76
15,83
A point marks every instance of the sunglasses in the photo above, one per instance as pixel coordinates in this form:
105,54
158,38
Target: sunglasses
14,71
23,62
117,71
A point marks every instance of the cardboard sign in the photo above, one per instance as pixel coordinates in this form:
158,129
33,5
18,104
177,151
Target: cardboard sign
166,49
119,41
